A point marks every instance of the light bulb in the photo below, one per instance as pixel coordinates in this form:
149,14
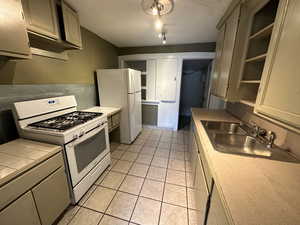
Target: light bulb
160,35
164,42
154,11
158,24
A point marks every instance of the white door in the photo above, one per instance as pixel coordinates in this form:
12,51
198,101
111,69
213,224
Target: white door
137,80
132,116
138,112
131,80
167,79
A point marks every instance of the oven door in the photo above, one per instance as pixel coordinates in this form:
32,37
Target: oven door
84,153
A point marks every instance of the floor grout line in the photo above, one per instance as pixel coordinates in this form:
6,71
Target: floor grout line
170,150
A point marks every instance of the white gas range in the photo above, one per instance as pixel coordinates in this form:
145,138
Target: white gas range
83,135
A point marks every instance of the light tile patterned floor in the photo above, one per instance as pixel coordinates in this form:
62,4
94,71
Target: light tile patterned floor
148,183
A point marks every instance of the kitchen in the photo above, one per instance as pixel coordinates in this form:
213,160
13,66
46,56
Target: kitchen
94,128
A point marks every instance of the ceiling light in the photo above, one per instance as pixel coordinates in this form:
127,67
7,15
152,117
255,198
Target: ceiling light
160,35
164,38
158,24
158,7
154,10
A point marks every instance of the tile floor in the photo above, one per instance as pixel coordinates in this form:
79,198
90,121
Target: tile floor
148,183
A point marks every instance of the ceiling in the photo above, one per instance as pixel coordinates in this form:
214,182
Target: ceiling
125,24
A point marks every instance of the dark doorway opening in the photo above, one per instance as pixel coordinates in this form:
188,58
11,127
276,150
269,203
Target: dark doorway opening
194,88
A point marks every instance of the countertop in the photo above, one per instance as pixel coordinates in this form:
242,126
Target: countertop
106,110
254,191
18,156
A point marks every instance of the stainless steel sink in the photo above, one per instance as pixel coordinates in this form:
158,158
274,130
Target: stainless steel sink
231,138
239,144
223,127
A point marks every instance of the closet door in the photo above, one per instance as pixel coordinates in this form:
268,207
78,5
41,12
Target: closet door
167,70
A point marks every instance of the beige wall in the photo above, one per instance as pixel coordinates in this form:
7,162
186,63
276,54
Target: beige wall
197,47
285,138
79,69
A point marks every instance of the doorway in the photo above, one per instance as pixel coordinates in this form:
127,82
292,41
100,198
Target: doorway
194,88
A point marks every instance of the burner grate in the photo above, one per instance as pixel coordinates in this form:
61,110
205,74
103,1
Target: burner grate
66,121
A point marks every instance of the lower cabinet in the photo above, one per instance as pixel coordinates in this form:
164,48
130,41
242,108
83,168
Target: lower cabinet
21,212
52,196
113,121
46,195
208,200
201,193
216,213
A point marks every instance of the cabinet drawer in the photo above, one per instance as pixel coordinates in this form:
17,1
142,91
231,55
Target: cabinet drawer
116,120
21,184
20,212
52,196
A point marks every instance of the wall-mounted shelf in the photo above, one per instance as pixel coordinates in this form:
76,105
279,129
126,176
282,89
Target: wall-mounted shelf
250,81
257,58
266,31
249,103
259,38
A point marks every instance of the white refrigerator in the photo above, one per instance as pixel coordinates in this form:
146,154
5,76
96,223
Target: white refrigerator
122,88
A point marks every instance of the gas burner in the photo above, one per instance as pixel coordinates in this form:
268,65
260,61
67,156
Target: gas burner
66,121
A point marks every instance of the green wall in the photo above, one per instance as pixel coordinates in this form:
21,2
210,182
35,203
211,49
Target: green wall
79,69
197,47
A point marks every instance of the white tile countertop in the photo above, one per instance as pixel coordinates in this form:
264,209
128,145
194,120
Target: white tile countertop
106,110
18,156
254,191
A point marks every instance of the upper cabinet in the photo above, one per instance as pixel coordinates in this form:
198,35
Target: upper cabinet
218,64
259,66
71,25
222,76
52,25
279,93
41,17
257,24
13,39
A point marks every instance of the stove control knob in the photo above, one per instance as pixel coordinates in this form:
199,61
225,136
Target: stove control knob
75,136
81,133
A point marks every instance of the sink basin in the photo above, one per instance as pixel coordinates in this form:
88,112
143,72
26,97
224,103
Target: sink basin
223,127
239,144
249,146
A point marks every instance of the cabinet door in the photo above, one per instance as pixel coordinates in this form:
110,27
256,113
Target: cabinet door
280,90
227,52
167,79
20,212
41,17
218,65
71,25
13,38
201,191
216,213
52,196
